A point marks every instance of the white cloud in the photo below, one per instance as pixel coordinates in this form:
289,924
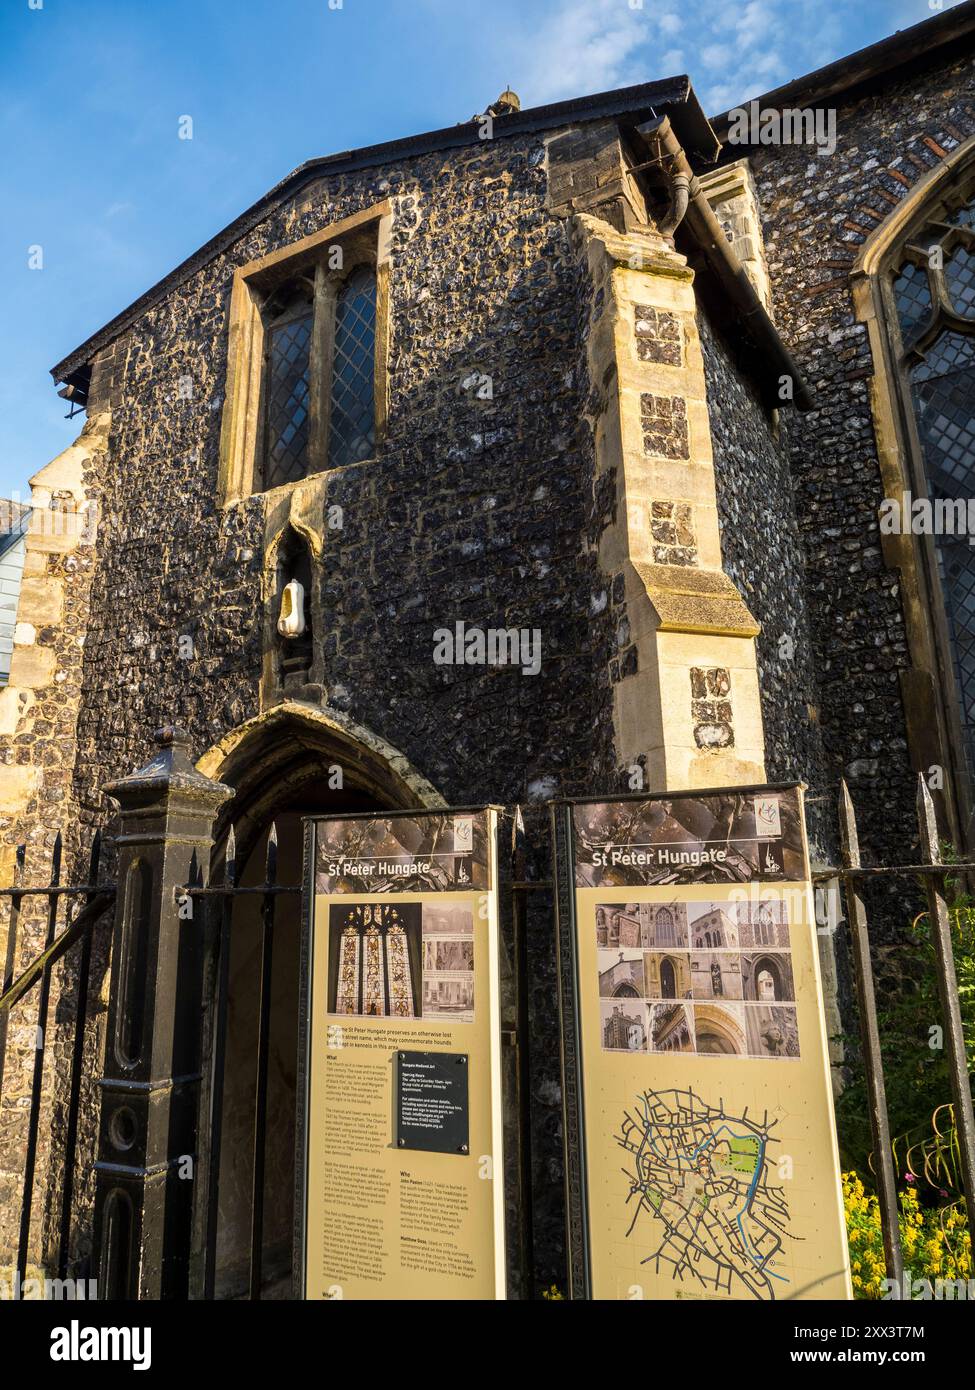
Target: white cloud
767,65
556,49
587,46
716,55
756,24
672,63
721,97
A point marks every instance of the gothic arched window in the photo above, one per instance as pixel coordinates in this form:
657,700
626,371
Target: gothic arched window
665,933
932,282
765,932
377,969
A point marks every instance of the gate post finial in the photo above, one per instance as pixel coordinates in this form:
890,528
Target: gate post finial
147,1137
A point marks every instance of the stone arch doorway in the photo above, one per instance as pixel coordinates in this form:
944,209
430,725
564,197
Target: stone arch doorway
292,762
625,992
768,979
718,1031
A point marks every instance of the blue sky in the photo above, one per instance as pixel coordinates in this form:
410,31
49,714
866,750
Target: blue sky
92,92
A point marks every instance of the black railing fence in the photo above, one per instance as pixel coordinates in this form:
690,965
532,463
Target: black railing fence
933,873
164,1088
217,901
25,998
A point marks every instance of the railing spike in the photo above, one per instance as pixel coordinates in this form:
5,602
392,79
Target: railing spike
870,1039
271,870
230,859
849,837
94,856
927,823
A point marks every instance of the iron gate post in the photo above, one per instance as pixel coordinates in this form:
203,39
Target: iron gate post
147,1142
951,1019
873,1061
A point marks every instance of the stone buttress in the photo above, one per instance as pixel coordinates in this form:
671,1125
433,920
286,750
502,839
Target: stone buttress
686,694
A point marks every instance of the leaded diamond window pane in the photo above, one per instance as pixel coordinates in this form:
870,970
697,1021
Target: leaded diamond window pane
287,401
913,296
960,279
943,388
949,353
352,418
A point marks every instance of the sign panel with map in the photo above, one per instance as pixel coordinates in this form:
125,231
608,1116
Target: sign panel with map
701,1156
400,1185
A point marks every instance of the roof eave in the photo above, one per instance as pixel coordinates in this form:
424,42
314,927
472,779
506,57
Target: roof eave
674,95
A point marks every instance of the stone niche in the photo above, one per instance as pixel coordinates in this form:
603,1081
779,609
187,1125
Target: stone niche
293,631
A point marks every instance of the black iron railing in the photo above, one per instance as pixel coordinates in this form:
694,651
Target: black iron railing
217,900
933,874
92,900
132,1265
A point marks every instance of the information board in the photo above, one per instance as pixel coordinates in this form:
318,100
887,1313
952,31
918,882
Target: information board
701,1155
400,1194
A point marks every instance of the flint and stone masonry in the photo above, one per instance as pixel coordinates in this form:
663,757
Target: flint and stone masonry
584,426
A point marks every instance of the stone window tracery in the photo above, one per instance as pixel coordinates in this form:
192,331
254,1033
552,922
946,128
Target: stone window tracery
666,934
933,291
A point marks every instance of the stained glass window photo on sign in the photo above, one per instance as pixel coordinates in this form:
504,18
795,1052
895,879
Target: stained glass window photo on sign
374,960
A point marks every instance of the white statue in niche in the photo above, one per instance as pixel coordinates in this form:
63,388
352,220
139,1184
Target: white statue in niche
291,619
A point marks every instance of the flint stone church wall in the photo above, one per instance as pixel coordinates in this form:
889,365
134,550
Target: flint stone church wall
473,511
762,554
485,511
817,212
